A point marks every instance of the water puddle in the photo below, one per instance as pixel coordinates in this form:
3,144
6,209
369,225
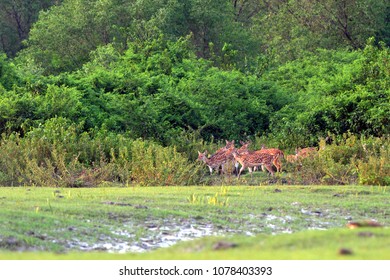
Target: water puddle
156,234
163,233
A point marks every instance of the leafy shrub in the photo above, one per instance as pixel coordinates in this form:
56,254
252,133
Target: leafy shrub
374,169
8,76
57,155
156,165
348,160
333,91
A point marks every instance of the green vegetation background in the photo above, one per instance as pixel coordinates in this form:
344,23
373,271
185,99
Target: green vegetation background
128,91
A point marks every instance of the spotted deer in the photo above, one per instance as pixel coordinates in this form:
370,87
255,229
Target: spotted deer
305,152
222,150
242,150
219,158
251,160
276,153
291,158
244,147
301,154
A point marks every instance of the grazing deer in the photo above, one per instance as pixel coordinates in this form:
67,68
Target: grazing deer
278,154
219,158
212,162
242,150
253,159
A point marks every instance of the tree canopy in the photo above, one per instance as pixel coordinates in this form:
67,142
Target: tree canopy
296,70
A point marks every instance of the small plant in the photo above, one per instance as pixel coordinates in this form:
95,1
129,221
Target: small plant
219,199
224,190
195,199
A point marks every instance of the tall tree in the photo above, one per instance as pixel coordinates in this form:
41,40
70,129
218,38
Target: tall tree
16,19
293,26
65,35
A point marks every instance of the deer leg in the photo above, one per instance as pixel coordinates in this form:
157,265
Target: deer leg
269,168
250,171
277,164
236,164
239,173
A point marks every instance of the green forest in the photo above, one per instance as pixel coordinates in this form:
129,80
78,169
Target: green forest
98,91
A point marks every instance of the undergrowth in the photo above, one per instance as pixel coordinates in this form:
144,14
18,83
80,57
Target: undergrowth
58,154
347,160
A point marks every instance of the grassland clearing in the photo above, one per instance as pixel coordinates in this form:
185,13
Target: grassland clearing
273,222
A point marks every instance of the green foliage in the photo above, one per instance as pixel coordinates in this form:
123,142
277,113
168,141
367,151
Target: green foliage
334,92
219,199
161,90
231,33
186,75
8,76
63,37
16,19
295,28
23,108
57,154
60,102
155,165
348,160
374,168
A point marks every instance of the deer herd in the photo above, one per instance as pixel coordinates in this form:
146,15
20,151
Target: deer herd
264,158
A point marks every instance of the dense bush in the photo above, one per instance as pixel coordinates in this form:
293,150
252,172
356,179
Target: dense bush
348,160
163,90
334,92
8,75
56,154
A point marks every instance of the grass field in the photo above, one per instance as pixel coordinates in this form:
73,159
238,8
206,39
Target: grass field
224,222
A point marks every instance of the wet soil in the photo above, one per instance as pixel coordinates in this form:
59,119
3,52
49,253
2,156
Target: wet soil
153,234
